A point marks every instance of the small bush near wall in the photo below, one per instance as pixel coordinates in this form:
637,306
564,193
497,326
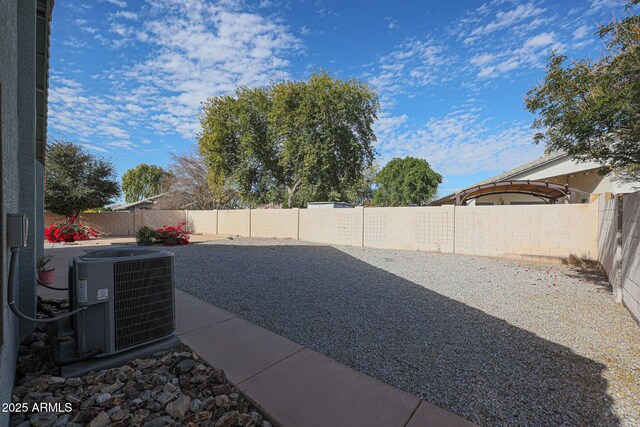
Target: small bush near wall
146,236
68,231
172,236
168,235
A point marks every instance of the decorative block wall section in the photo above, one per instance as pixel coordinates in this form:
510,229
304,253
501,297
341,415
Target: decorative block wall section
631,254
202,222
332,226
235,222
159,218
412,228
533,231
278,223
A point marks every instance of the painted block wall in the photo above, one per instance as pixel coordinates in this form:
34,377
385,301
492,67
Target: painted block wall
278,223
631,254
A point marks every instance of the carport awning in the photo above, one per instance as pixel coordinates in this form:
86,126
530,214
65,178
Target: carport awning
545,190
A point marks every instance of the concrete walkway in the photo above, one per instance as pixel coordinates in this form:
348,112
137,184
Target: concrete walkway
291,384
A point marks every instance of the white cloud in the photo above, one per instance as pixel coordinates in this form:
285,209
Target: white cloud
95,148
598,5
541,40
119,3
581,32
531,54
125,14
414,63
196,50
505,19
460,143
74,113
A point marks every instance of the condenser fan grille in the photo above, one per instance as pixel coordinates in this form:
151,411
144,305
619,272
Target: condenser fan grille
143,301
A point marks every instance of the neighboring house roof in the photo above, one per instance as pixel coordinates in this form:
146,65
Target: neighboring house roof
524,168
143,202
548,158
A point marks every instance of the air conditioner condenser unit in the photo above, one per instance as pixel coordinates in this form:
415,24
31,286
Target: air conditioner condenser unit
129,297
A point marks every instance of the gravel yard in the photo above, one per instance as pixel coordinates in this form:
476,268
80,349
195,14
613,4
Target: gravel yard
496,341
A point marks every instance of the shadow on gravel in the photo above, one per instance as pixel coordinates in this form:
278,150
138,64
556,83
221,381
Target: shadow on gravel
446,352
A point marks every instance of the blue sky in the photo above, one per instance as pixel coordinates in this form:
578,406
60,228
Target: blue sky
128,76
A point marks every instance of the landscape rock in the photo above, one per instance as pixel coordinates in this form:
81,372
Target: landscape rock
185,365
170,388
227,419
101,420
117,413
43,419
178,407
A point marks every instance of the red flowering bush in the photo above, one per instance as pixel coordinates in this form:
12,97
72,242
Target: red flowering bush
68,231
172,236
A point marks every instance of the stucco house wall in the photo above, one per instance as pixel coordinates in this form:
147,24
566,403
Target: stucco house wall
22,173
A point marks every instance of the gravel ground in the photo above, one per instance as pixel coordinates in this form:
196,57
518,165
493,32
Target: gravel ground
496,341
171,388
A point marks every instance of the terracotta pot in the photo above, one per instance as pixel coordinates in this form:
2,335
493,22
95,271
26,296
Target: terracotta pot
47,277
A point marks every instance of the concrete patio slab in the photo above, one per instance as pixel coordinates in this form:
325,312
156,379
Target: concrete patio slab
312,390
430,415
239,347
193,313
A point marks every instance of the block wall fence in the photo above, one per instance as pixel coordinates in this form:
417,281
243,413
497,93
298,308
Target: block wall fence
599,231
619,248
538,232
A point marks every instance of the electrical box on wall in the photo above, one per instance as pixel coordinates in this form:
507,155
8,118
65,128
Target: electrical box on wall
17,230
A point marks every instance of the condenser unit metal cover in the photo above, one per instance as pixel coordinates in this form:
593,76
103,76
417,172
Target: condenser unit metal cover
130,297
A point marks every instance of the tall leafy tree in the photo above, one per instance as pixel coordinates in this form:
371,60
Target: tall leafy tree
143,181
76,180
407,181
591,108
293,142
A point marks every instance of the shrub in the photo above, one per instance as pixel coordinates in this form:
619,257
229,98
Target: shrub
68,231
172,236
146,236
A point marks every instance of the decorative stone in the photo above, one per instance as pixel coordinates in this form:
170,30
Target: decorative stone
101,420
146,363
256,418
73,399
113,387
195,405
102,398
62,421
57,380
73,382
165,397
139,416
117,413
43,419
159,422
222,401
178,407
245,420
185,365
227,419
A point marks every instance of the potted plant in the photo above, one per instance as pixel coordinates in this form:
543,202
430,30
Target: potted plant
46,269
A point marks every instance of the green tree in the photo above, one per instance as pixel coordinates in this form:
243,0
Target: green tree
591,108
407,181
293,142
143,181
76,180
